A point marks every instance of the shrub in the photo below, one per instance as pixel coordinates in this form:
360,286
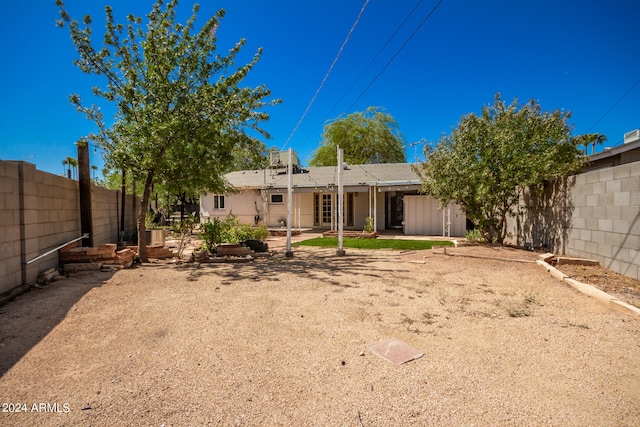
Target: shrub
474,235
229,230
368,226
183,230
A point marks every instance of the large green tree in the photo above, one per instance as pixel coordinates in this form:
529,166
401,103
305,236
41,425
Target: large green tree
486,159
370,136
181,113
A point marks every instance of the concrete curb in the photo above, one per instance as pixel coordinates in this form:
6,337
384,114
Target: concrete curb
592,291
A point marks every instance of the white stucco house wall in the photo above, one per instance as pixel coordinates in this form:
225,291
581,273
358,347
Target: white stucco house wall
388,193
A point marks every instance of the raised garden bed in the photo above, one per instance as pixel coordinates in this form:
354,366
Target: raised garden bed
351,233
282,232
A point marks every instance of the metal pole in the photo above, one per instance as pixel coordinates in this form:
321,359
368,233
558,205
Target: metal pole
289,253
84,236
340,251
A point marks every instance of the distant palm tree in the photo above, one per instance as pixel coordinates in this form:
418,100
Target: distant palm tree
65,164
597,139
94,168
74,165
590,139
70,162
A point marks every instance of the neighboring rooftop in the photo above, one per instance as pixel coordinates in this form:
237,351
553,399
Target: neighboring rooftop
627,152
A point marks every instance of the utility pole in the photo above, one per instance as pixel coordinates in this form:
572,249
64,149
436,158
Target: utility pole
340,251
289,253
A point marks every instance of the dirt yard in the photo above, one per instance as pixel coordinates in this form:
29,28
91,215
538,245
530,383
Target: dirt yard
285,342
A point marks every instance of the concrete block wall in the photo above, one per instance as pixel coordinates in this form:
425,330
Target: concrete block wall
40,211
37,211
105,205
10,239
606,218
593,215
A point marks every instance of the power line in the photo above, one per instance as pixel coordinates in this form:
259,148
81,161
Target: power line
365,69
615,104
326,75
377,54
396,54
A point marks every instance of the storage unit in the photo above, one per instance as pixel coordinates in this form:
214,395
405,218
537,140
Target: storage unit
423,216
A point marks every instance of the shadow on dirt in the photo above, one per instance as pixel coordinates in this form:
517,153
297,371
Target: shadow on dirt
317,264
25,321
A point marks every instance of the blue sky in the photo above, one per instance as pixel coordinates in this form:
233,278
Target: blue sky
580,56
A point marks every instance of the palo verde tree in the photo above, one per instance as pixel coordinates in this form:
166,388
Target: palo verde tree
486,159
181,113
371,136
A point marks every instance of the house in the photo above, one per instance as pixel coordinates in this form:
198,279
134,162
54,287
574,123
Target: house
387,193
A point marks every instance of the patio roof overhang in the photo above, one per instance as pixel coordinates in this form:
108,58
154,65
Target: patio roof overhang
360,187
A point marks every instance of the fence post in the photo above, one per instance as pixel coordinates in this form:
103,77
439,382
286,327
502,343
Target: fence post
84,178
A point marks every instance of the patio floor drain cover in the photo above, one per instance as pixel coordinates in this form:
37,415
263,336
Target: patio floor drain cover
396,351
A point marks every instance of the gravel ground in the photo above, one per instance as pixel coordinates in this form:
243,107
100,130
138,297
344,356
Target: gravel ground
285,342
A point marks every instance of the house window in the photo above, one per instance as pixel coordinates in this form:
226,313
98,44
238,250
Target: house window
277,198
218,202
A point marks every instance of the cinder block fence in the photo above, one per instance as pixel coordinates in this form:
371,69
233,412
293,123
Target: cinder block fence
595,215
40,211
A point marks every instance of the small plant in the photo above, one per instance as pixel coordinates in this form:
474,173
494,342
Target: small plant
368,226
211,234
184,230
518,311
474,235
428,318
579,325
530,298
523,309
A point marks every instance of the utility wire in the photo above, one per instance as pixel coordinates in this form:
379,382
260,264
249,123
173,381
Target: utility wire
396,54
365,69
615,104
326,75
377,54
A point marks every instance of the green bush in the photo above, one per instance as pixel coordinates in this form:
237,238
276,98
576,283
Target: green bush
474,235
368,226
229,230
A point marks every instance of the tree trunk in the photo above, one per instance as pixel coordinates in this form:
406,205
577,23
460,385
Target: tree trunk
183,200
142,216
